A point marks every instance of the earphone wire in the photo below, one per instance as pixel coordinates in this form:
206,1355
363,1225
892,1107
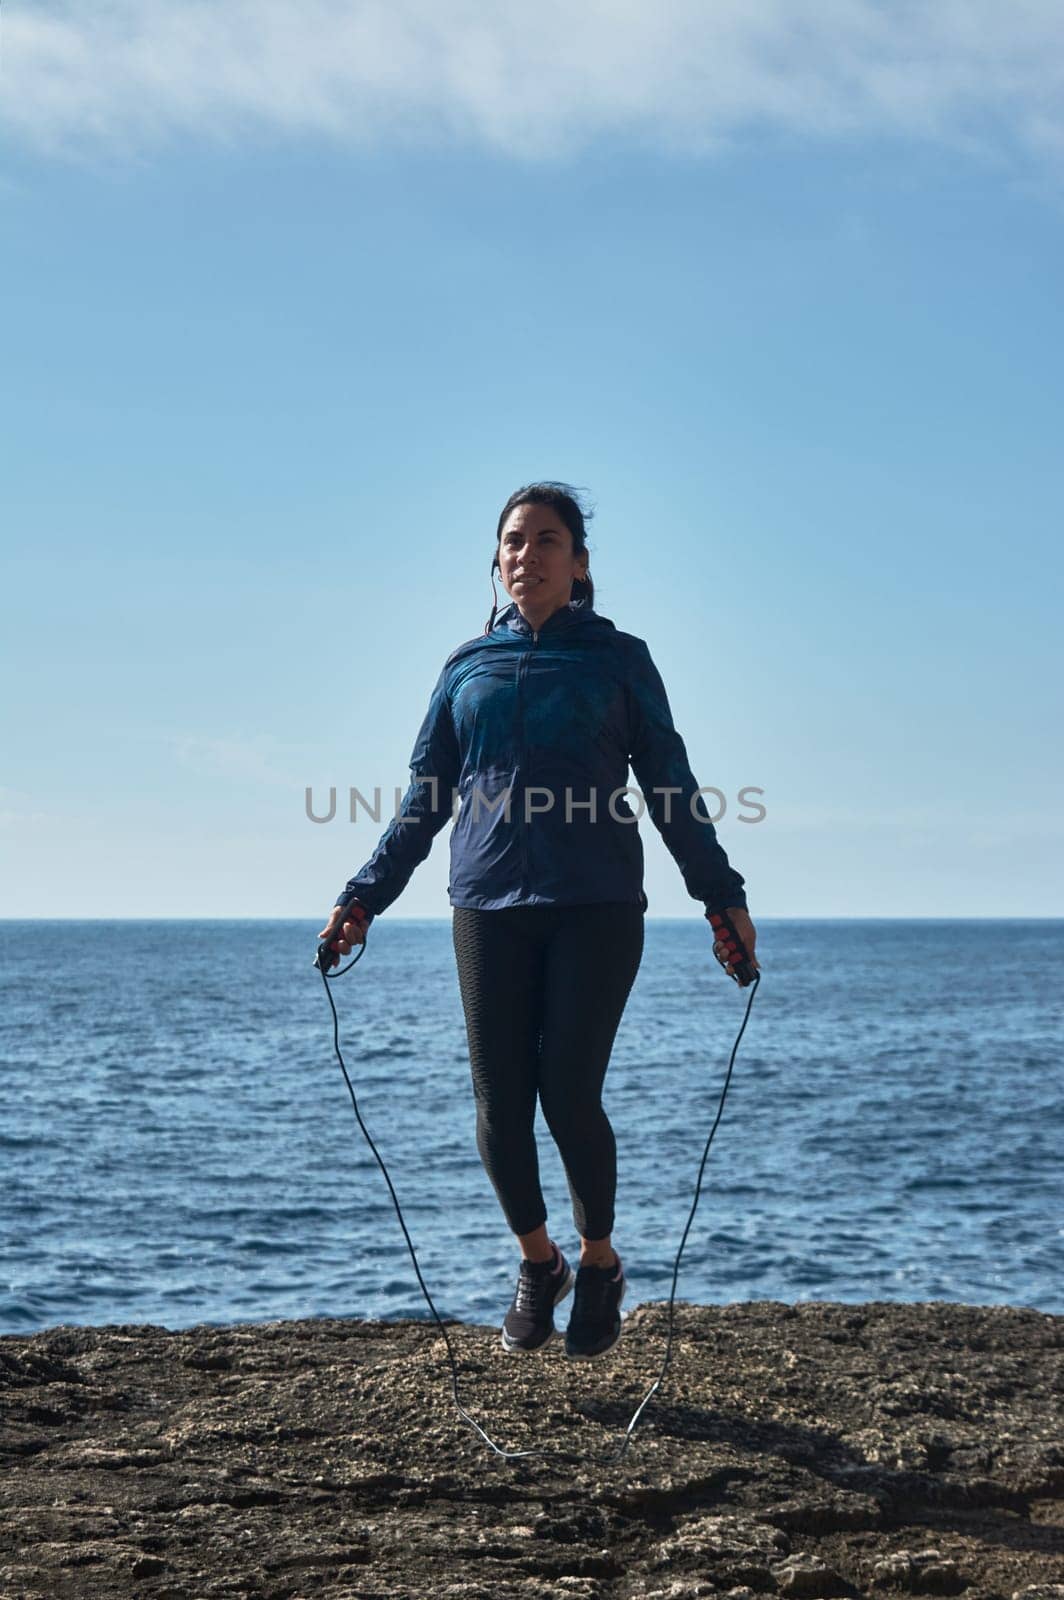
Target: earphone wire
511,1455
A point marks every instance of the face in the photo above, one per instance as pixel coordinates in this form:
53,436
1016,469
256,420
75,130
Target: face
536,560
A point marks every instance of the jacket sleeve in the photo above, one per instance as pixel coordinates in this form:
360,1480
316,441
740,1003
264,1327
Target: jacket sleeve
425,808
659,761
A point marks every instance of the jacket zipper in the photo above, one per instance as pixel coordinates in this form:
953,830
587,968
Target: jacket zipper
523,823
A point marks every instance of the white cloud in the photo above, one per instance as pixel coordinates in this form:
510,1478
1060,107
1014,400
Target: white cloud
532,80
17,811
258,759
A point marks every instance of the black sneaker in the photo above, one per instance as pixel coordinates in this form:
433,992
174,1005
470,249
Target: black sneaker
595,1323
529,1323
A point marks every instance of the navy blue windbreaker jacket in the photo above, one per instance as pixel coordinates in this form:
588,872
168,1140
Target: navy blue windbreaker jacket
535,730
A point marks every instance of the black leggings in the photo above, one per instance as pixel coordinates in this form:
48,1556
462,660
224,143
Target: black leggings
544,989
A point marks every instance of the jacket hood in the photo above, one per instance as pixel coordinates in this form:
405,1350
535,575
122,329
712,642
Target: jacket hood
577,618
576,612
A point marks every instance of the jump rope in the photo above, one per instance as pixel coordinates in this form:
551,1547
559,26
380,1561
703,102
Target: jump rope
743,972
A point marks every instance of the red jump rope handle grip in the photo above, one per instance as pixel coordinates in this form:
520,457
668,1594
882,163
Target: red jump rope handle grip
328,955
744,972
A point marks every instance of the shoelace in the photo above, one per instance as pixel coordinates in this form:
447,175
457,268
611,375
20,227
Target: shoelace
532,1288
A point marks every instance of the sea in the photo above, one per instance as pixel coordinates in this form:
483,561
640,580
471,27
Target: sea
178,1145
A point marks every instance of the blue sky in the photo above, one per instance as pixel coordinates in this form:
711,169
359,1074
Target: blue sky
290,310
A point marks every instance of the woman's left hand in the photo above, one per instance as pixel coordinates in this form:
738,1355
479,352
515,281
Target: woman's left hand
747,933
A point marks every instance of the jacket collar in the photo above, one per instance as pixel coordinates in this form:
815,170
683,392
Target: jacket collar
563,618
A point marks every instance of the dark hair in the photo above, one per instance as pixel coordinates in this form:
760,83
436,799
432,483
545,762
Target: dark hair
562,498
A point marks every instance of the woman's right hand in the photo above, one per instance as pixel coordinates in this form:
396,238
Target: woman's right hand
725,951
346,927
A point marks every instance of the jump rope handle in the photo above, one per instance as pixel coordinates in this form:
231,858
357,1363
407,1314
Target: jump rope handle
744,972
328,955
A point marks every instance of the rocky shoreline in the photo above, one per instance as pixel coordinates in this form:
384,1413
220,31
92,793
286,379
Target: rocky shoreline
813,1450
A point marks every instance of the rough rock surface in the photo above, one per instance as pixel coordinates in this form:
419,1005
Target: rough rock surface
811,1450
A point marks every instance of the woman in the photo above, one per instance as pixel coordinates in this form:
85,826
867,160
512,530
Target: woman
532,726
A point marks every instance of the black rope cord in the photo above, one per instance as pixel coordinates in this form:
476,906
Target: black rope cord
512,1455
